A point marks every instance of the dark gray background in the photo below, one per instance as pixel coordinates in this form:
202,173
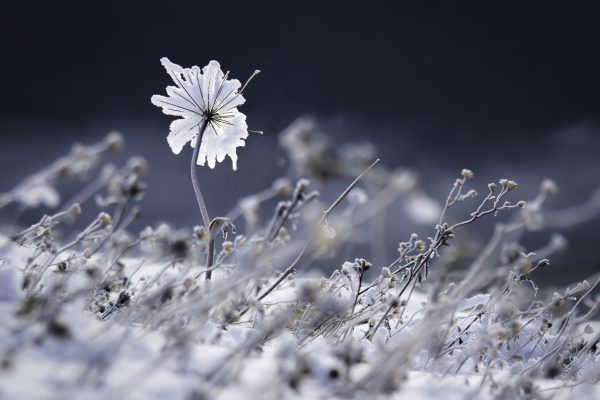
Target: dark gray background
508,89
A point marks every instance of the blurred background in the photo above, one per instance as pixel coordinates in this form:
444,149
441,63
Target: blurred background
507,89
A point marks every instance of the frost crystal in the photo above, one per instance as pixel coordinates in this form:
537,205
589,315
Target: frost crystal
204,96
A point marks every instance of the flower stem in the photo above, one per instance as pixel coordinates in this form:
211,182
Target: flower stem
210,257
201,204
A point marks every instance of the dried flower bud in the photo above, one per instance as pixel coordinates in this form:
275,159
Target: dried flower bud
362,265
75,209
558,241
467,173
548,187
115,141
402,181
492,186
189,284
104,219
521,204
240,241
511,185
228,246
283,187
301,186
138,165
420,245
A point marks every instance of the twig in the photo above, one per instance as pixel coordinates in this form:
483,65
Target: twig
292,268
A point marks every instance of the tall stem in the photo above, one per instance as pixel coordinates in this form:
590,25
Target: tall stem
210,257
194,175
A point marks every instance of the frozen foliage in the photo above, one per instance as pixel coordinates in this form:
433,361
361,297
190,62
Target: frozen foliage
205,100
38,189
103,312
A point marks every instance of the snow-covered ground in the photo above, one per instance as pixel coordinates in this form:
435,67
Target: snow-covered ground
101,312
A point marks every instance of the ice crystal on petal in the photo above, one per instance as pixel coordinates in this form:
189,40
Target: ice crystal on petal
204,96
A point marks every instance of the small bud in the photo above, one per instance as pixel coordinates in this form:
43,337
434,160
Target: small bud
283,187
240,241
492,186
87,253
420,245
138,165
516,328
548,187
471,193
521,204
558,241
467,173
511,185
228,246
115,141
301,186
362,264
75,209
189,284
414,236
104,219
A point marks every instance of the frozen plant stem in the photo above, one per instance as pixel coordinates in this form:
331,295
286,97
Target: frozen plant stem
210,258
292,268
194,175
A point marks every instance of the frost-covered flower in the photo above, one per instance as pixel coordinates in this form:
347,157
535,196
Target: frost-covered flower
205,97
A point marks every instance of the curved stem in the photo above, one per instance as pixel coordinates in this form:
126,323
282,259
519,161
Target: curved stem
201,204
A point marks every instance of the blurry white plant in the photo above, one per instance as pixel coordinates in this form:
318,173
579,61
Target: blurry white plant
207,103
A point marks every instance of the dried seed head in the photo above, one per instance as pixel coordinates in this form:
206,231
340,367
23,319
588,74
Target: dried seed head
283,187
115,142
138,165
104,219
467,173
548,187
511,185
228,246
75,209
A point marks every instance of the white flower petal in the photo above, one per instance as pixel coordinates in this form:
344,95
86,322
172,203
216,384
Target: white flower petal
173,105
182,131
188,83
223,140
213,76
